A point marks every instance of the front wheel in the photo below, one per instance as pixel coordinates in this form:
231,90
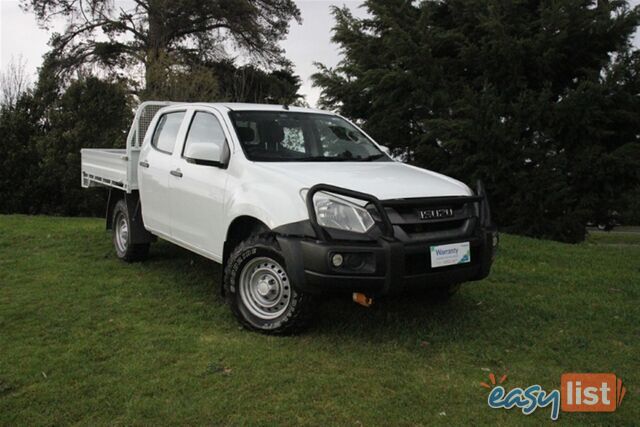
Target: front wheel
126,250
259,291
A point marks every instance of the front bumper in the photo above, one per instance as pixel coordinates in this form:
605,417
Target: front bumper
388,267
390,262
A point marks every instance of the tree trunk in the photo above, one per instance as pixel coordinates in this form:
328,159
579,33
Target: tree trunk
156,48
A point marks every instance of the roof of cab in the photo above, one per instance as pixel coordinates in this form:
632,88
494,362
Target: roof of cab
238,106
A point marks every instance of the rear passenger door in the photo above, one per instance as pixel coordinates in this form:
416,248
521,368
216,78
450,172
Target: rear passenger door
154,171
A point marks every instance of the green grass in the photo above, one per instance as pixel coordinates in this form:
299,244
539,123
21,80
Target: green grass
614,237
87,339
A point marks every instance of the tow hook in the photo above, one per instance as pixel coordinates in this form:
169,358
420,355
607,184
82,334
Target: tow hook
362,299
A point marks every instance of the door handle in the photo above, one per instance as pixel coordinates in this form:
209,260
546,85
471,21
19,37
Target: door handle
143,164
176,173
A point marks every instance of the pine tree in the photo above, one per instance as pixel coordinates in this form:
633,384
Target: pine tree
537,98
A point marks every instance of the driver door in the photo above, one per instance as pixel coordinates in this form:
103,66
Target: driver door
197,190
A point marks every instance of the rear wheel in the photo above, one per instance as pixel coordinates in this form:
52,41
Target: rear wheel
121,223
259,291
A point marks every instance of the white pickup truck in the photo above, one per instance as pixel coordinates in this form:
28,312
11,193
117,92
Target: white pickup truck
294,203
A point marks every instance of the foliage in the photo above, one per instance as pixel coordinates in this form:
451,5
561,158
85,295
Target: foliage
89,340
224,81
630,211
91,113
43,135
19,160
248,83
539,99
180,83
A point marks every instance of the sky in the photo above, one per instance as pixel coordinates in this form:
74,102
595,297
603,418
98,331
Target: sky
310,42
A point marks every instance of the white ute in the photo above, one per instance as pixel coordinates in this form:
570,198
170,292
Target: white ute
294,203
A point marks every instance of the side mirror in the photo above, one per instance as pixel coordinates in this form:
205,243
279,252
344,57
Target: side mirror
206,153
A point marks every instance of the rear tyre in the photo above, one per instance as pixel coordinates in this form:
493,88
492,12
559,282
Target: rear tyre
259,292
122,236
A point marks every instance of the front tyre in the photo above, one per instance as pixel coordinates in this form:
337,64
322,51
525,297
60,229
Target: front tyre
259,291
126,250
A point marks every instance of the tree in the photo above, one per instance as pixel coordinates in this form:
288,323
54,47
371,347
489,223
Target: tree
251,84
162,34
539,99
18,163
70,124
223,80
184,83
42,137
14,82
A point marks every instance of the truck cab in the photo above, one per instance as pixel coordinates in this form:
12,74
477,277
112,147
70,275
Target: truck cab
295,203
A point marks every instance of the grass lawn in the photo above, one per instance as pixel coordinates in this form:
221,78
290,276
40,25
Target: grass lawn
619,236
87,339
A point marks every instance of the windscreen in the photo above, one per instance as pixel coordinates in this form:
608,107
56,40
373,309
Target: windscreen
271,136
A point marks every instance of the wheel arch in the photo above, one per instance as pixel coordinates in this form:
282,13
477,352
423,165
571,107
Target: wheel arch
113,197
238,230
139,233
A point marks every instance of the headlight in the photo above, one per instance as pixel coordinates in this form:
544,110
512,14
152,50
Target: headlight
335,212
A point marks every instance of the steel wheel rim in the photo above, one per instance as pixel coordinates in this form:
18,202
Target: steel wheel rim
264,288
122,233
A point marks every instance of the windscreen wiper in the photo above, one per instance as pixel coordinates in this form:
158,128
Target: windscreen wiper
321,159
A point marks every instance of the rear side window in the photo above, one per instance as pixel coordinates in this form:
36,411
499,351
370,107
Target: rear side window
205,128
166,133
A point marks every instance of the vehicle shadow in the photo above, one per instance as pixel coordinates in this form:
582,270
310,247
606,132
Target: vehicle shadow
401,319
186,268
390,315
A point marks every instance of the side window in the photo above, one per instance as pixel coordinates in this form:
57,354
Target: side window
166,132
205,128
